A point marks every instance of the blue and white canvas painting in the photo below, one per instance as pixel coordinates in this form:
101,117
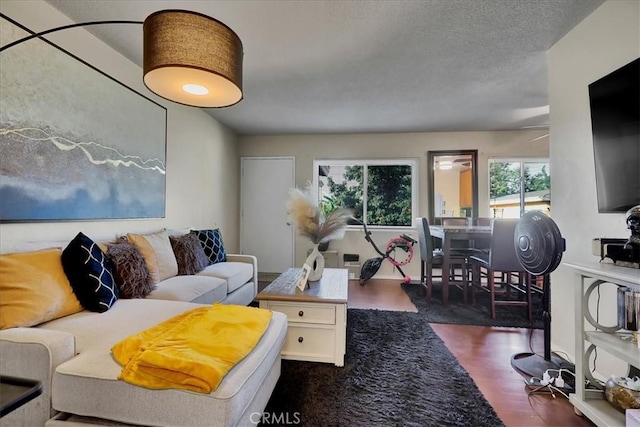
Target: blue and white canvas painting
74,143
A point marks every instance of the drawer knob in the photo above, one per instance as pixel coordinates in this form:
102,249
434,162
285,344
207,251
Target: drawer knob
300,339
301,313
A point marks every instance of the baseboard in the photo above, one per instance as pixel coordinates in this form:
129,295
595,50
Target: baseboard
395,278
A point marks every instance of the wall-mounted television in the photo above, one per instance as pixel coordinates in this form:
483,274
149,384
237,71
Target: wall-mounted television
615,123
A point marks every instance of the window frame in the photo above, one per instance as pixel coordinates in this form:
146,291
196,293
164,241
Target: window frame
413,163
522,161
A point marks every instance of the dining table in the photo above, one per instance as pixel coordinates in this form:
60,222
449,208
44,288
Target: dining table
450,233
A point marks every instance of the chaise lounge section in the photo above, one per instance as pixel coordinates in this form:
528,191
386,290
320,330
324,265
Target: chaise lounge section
72,358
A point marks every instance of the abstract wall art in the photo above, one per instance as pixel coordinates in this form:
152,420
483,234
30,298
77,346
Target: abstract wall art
75,144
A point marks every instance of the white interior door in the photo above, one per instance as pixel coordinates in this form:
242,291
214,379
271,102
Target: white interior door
265,231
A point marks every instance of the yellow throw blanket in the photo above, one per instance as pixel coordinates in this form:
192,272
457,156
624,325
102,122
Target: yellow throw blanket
193,350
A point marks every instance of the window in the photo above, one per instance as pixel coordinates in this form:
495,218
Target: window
508,198
381,192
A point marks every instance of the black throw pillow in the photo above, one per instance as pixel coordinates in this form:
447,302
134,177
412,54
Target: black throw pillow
90,274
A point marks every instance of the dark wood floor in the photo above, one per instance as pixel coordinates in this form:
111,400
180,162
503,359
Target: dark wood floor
485,353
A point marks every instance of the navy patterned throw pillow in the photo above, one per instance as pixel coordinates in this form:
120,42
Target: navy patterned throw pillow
211,241
90,274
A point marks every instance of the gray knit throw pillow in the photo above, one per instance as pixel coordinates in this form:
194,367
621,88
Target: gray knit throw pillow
131,272
189,254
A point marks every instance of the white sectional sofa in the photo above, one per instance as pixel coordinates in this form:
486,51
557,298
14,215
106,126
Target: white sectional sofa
234,281
71,356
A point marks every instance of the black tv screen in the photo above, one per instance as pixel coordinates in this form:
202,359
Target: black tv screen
615,123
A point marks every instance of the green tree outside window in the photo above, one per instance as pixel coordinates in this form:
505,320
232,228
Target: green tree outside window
385,199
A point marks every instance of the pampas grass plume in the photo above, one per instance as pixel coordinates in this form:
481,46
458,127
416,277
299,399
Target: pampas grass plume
310,222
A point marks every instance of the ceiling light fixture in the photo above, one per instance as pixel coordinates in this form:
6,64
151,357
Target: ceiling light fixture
189,58
195,89
445,165
184,48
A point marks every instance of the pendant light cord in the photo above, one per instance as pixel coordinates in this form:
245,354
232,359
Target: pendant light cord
56,29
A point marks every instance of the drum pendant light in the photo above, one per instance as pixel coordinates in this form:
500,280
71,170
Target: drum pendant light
192,59
189,58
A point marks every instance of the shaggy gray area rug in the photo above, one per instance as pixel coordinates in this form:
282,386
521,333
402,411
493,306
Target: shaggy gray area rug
397,372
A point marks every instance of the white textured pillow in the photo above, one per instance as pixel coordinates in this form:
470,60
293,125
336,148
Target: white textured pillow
158,254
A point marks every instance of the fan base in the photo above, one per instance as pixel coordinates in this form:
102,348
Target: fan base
533,365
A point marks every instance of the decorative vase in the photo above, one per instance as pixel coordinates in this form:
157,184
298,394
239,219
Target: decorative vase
315,260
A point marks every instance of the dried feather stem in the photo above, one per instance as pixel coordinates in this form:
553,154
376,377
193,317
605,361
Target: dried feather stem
310,222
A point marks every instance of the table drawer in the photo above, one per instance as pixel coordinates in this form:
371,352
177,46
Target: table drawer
306,313
309,342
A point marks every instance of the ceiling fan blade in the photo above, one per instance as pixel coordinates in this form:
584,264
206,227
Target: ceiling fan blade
544,126
537,138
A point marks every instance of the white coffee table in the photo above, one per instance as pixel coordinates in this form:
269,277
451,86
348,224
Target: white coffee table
317,317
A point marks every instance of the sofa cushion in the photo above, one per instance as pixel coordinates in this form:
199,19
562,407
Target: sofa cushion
125,318
199,289
94,373
158,254
34,289
189,254
235,273
130,269
211,241
90,274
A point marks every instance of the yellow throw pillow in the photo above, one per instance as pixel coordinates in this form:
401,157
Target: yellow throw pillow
158,254
148,254
34,289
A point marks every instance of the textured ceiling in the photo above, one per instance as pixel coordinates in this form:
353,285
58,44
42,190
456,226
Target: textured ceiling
373,66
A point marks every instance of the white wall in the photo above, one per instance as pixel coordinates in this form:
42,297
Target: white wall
606,40
202,178
306,148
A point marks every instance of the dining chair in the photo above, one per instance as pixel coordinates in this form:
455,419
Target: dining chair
482,243
463,248
501,266
431,257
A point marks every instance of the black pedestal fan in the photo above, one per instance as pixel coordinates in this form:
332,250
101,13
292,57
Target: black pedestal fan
539,247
